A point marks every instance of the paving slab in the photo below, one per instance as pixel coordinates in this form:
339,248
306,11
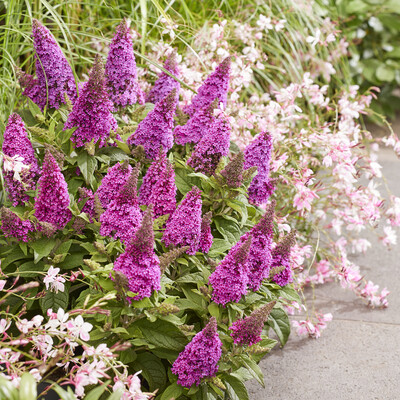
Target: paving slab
358,355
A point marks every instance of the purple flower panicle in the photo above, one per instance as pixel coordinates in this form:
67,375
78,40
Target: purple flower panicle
258,154
139,263
165,83
281,258
247,331
13,226
52,201
260,258
184,226
122,85
215,86
89,207
229,280
158,187
16,144
214,144
115,178
206,237
91,113
156,129
233,172
54,74
200,357
123,215
197,126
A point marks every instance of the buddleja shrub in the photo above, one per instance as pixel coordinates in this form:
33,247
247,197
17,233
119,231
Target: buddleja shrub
143,218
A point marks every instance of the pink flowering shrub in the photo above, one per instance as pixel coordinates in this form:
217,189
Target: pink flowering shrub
165,241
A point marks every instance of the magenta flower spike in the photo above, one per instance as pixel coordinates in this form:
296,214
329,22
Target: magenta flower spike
52,201
158,187
115,178
247,331
91,113
214,144
200,357
54,75
123,216
184,226
156,129
281,258
13,226
89,207
139,263
258,154
229,280
206,237
165,83
22,169
122,85
260,258
197,126
215,86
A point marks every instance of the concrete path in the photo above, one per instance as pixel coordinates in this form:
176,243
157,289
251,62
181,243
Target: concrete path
358,355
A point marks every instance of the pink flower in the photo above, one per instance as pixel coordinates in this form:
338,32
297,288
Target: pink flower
4,325
52,279
78,327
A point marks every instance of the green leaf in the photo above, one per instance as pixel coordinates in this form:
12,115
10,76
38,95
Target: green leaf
289,293
152,369
25,268
279,322
95,393
15,255
214,311
42,248
254,369
7,390
172,392
27,387
66,394
219,246
123,146
385,73
116,395
182,181
87,165
235,388
162,334
54,301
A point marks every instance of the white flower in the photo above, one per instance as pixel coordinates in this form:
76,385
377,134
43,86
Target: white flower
314,40
374,23
78,327
15,164
52,279
280,25
264,22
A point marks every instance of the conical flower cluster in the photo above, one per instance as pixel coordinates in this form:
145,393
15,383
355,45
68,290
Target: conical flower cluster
156,129
200,357
123,216
247,331
281,258
197,126
260,259
258,154
233,172
206,237
158,187
22,169
214,144
122,85
14,226
54,75
91,113
165,83
229,280
215,86
52,201
115,178
184,226
139,263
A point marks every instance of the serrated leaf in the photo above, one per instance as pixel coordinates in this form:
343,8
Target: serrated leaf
235,388
219,246
54,301
152,369
279,322
162,334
